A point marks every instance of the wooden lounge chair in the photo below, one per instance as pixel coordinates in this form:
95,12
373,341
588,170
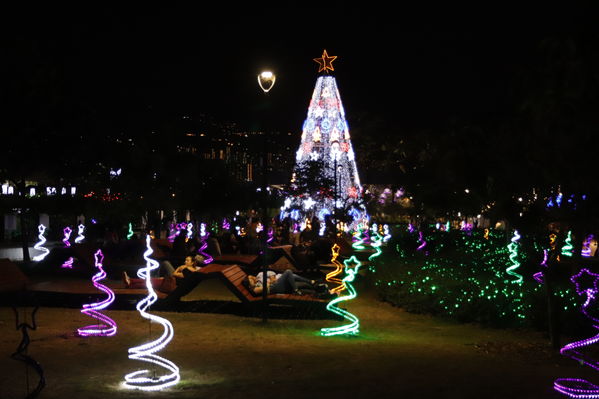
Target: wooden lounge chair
233,277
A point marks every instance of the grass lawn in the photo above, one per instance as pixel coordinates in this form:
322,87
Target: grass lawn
396,355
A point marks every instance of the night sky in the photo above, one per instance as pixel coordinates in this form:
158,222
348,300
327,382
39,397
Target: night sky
409,68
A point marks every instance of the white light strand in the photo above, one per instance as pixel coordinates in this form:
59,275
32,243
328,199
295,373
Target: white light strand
146,352
39,245
80,236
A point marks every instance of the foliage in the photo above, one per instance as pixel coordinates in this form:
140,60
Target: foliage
462,275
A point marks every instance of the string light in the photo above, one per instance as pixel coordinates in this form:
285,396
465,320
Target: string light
39,245
80,237
421,241
354,326
106,327
331,277
147,352
586,283
204,243
358,240
67,235
513,248
189,231
486,236
130,234
386,232
567,248
68,264
586,246
468,285
325,139
540,276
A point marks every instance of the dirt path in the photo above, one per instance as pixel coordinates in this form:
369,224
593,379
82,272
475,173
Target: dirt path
397,355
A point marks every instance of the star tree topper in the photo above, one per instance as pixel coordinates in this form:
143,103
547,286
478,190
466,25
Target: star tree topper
325,62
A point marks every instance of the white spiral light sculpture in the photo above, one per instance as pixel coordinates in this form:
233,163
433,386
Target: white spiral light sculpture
106,327
146,352
42,240
80,236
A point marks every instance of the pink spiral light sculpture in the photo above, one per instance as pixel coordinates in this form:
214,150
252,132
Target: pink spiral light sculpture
106,327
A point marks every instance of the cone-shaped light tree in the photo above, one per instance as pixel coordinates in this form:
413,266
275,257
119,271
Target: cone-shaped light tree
325,178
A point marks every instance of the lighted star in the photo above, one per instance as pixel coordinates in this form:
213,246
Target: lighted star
325,62
313,156
351,271
585,281
309,203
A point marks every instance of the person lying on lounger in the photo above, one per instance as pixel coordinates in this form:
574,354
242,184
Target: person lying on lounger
169,282
284,283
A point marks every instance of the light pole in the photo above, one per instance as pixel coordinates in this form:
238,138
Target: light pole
266,81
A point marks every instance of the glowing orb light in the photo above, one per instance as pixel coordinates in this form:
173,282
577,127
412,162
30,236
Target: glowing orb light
145,379
80,237
106,327
39,245
586,283
354,326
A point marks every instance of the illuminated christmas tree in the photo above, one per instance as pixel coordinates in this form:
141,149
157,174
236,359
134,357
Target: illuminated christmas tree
325,174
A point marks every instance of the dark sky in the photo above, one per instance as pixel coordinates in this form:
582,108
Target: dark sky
409,67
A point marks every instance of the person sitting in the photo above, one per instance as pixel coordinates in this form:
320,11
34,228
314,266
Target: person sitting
284,283
171,280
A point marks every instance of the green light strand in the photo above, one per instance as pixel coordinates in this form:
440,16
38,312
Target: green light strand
130,234
513,248
567,248
360,240
354,326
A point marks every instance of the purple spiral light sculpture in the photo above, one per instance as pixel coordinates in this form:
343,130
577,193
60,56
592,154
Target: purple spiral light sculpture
586,283
204,239
106,327
67,235
68,264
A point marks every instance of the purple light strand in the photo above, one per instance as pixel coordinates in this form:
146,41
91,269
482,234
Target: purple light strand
421,239
586,246
575,387
271,235
540,276
67,235
106,327
68,264
204,239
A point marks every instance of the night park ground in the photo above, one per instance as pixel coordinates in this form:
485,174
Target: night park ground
225,355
